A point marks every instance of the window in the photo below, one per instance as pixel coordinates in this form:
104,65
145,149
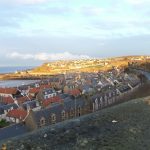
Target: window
63,115
109,94
42,121
46,97
53,118
105,100
96,104
67,115
71,113
79,111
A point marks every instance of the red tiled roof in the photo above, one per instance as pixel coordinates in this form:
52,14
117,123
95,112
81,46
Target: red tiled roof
55,99
30,96
37,89
46,86
74,92
23,99
17,113
34,90
8,100
8,90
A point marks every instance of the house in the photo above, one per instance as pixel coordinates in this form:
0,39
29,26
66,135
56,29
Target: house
6,92
74,107
37,84
102,100
57,112
34,91
124,89
74,92
57,81
22,99
68,87
46,94
4,109
98,101
7,100
87,89
23,89
16,115
1,113
31,105
45,86
48,101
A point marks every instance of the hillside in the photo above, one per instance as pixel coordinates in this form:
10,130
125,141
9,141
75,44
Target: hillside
121,127
89,65
86,65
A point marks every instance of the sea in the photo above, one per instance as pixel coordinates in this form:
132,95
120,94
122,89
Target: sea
15,83
14,69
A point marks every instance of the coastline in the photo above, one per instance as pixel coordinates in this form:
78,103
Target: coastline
14,76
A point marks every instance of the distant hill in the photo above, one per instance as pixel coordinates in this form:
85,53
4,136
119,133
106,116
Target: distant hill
67,66
89,65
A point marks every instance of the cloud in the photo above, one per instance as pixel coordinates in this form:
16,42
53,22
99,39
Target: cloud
138,2
29,2
46,56
92,11
22,2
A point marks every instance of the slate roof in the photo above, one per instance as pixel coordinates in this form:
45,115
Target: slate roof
6,107
70,103
124,88
23,87
64,95
57,108
48,91
54,79
108,93
1,110
23,99
134,83
46,113
31,104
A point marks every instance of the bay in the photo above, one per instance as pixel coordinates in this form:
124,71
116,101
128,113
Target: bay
14,69
15,83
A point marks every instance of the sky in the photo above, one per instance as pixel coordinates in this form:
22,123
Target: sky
37,31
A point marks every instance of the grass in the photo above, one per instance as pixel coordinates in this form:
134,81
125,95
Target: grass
97,131
3,123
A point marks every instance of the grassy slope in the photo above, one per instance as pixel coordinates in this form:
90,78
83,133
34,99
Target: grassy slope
94,67
96,131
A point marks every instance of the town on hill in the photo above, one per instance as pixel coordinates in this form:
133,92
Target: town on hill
77,66
69,94
68,90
